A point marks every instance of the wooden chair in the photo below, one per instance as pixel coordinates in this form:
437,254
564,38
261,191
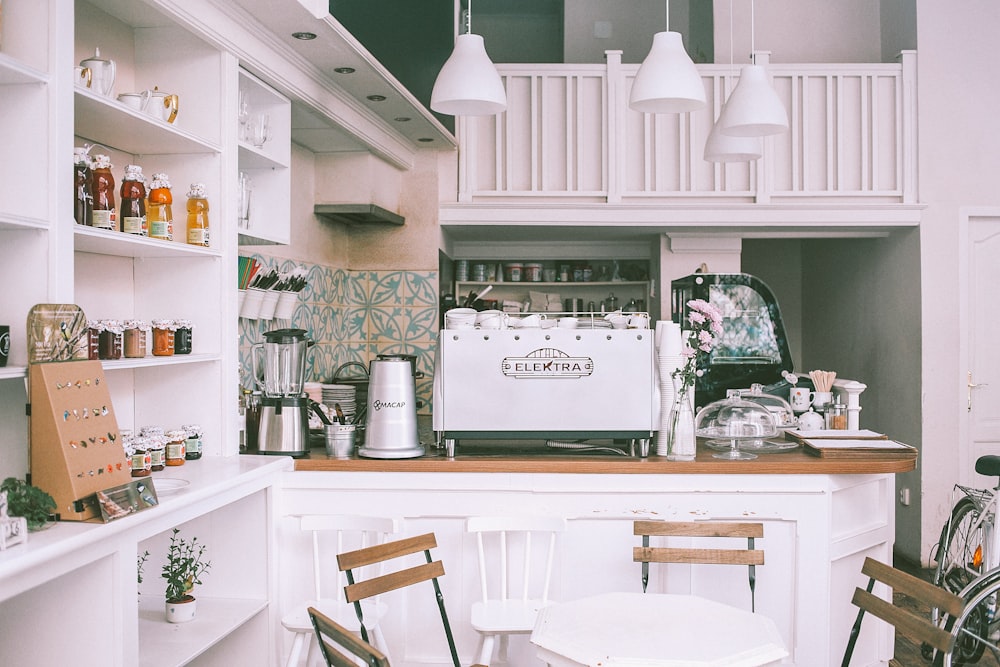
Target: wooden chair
356,591
508,548
331,534
913,624
336,642
750,557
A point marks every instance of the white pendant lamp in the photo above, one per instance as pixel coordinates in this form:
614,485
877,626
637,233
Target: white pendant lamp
754,108
721,147
468,83
667,80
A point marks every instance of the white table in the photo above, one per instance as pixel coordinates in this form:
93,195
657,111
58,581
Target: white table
654,630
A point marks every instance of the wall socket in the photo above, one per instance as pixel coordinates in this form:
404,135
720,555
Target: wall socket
904,497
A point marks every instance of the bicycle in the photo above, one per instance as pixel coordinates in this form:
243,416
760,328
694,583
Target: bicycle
968,564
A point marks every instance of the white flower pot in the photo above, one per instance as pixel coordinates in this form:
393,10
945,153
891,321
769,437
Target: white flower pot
181,611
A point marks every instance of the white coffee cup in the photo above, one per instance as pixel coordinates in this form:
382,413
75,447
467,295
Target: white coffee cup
800,398
618,321
491,319
136,101
460,318
638,321
822,399
568,322
532,321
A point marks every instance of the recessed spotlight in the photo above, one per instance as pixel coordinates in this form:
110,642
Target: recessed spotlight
344,70
401,119
426,140
304,36
376,98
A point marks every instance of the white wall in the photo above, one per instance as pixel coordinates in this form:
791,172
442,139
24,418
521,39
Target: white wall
959,161
631,32
800,31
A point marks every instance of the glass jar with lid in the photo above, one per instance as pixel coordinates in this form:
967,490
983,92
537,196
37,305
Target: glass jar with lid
135,338
183,336
142,462
94,329
836,416
193,445
110,340
163,338
157,451
175,447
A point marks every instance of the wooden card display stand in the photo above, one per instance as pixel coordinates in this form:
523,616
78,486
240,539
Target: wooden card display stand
76,448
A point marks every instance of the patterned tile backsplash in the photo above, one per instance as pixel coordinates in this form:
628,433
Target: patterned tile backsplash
354,316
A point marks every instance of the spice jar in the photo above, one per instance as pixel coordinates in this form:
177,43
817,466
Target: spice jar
182,336
157,452
94,329
836,416
175,450
109,344
135,338
163,338
193,444
142,463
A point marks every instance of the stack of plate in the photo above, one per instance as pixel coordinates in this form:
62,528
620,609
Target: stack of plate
345,395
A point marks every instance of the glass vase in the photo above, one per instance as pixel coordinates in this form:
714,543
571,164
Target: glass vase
680,438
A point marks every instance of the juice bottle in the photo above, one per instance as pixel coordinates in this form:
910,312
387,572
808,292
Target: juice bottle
105,215
159,214
83,199
197,215
133,204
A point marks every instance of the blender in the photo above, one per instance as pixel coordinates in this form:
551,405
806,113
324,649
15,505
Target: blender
284,407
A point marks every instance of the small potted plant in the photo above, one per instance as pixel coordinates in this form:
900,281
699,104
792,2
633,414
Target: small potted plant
183,569
28,501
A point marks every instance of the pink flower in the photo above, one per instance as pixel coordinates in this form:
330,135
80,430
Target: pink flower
694,317
705,338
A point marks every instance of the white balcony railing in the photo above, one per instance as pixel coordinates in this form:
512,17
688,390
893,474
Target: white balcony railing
568,135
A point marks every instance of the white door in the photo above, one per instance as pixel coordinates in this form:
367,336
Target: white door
981,373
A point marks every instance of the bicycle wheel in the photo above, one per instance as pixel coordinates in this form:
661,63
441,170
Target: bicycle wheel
975,630
960,560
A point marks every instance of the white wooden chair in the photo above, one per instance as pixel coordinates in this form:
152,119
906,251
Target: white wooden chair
332,534
509,547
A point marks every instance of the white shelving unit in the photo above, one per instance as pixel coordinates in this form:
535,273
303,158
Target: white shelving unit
268,165
587,291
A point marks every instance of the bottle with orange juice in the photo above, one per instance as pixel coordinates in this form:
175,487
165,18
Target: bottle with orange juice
197,215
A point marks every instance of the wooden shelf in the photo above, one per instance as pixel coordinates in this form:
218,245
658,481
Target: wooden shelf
119,244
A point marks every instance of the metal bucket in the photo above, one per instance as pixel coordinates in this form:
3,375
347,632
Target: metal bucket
340,440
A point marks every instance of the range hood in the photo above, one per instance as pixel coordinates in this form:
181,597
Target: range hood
357,214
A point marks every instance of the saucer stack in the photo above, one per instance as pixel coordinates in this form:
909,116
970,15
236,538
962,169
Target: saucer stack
345,395
669,344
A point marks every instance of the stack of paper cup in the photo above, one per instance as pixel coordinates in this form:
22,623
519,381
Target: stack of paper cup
669,357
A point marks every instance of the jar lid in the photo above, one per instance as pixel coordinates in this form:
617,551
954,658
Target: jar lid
133,172
163,324
136,324
81,155
160,180
102,161
176,435
183,324
96,325
197,191
140,444
147,431
114,326
192,429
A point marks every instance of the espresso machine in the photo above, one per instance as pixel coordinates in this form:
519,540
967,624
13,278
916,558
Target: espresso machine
284,407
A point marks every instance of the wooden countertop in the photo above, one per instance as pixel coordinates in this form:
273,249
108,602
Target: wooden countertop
792,462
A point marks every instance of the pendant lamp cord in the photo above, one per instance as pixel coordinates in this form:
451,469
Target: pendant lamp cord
753,31
468,19
667,11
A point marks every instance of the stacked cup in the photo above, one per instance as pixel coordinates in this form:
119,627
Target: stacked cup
669,357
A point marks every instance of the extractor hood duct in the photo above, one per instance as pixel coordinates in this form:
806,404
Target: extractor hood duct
357,214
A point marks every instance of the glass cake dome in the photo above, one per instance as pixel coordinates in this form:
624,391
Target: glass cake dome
733,420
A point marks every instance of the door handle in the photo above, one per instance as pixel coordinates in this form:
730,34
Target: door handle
970,385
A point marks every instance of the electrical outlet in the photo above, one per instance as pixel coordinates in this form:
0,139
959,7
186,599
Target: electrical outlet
904,497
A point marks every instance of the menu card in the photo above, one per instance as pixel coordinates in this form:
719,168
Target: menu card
835,434
858,448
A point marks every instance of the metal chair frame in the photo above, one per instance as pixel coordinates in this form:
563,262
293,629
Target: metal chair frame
343,642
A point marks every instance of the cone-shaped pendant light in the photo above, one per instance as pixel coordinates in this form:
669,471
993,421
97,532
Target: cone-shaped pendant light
468,83
667,80
754,108
721,147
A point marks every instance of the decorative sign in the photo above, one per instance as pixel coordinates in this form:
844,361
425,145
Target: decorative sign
120,501
547,362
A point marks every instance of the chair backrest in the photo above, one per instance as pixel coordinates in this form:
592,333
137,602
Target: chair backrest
908,621
333,533
357,590
749,556
336,642
508,547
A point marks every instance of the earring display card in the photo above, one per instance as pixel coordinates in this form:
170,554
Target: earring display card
76,447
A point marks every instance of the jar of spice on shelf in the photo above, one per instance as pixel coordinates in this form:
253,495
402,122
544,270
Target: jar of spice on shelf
175,449
110,340
94,329
163,338
142,463
193,444
135,338
183,336
156,446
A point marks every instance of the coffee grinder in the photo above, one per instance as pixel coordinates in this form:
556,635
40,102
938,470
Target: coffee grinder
284,407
